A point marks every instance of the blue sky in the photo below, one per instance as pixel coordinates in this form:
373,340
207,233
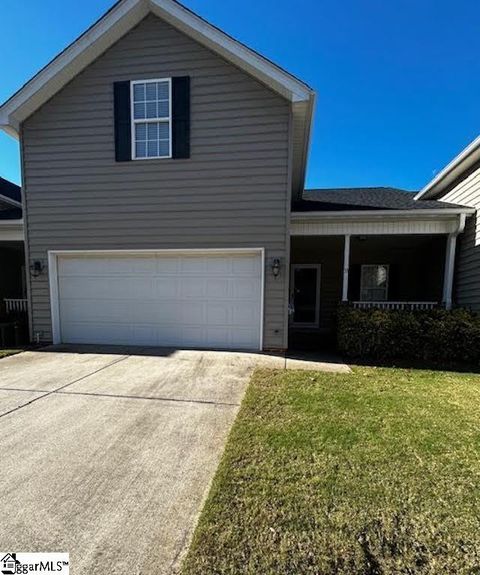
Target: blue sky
398,81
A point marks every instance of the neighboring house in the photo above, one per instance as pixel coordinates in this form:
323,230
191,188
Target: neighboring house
459,183
163,172
12,253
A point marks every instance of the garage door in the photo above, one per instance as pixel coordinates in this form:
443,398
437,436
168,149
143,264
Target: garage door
211,300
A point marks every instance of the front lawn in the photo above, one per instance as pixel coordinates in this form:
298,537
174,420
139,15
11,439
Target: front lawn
7,352
375,473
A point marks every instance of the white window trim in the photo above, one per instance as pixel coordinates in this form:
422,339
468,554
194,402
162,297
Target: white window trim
133,121
363,267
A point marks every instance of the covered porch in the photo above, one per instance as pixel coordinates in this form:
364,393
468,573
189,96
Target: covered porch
13,289
386,260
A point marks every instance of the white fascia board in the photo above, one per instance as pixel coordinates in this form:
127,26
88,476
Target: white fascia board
306,146
11,231
363,215
466,159
234,51
111,27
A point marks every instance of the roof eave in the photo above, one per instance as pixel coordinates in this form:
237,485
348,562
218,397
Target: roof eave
460,164
112,26
10,201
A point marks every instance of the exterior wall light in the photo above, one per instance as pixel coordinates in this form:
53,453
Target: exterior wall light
36,268
276,267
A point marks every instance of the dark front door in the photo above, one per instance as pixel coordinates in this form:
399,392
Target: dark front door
305,294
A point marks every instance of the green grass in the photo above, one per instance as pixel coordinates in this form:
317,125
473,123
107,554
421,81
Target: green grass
374,473
7,352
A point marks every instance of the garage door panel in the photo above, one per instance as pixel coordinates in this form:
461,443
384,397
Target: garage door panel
127,287
165,287
241,337
243,314
193,289
220,288
167,265
121,266
192,265
209,300
248,266
245,288
88,288
218,267
193,313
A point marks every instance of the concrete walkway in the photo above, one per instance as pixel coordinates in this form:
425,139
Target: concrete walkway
108,453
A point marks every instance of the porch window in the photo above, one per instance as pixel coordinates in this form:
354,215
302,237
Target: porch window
374,283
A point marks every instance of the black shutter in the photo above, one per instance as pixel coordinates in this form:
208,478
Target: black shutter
181,117
123,130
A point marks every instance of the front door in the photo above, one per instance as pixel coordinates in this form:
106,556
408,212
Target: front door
305,294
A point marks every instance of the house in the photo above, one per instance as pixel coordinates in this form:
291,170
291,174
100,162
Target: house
12,253
163,177
459,183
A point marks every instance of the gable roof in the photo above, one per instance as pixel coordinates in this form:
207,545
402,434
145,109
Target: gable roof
10,193
364,199
121,18
468,159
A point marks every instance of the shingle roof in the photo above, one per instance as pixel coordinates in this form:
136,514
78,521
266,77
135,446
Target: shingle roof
345,199
10,190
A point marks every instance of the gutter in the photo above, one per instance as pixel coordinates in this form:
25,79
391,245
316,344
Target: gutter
381,214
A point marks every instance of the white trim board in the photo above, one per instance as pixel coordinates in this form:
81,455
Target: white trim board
134,121
11,231
467,158
338,226
53,256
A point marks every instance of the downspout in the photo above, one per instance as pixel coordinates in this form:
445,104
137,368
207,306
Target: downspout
450,261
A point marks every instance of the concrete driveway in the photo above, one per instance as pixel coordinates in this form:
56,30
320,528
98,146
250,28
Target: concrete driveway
108,453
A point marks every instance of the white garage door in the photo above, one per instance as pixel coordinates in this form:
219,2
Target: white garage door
202,300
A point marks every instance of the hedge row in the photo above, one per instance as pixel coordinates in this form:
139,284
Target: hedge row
438,336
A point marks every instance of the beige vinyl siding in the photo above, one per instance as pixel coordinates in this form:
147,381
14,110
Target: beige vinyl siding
232,192
467,273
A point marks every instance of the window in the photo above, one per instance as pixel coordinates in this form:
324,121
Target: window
151,119
374,283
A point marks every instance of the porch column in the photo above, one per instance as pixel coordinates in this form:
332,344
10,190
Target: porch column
449,270
346,267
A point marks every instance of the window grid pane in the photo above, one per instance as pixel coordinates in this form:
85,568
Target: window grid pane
151,118
152,139
152,99
374,280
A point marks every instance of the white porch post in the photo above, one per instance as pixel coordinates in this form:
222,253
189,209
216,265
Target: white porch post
449,270
346,267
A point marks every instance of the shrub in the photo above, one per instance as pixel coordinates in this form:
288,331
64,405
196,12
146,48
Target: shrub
437,336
